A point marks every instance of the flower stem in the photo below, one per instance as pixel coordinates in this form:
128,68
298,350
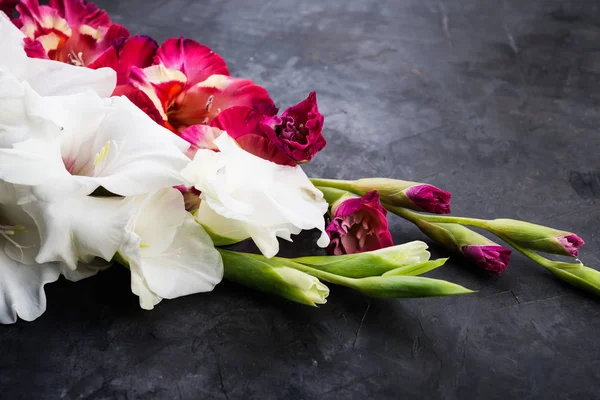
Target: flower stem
447,219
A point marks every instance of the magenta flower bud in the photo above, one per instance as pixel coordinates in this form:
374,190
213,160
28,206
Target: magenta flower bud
536,237
492,258
571,243
429,198
358,224
483,252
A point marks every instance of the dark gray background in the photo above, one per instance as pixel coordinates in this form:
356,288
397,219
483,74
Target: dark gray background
495,101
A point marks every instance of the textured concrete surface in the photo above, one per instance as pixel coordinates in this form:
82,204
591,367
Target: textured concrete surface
495,101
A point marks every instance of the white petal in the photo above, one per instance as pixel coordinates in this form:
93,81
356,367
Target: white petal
232,230
130,251
159,215
191,265
147,156
80,228
266,199
22,288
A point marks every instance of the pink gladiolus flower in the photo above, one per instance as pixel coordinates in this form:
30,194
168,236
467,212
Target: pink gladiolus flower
359,225
492,258
189,84
429,198
571,243
78,32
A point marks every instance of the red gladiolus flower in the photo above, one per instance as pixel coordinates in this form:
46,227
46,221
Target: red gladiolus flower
298,131
359,225
189,84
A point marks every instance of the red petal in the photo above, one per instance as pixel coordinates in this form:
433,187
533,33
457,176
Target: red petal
264,148
238,121
8,7
196,61
141,100
201,103
137,51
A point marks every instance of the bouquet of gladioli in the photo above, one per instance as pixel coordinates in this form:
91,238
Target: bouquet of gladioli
115,150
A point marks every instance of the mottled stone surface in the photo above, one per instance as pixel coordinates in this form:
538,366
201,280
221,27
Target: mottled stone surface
495,101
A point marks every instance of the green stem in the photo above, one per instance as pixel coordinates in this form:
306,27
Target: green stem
332,183
414,217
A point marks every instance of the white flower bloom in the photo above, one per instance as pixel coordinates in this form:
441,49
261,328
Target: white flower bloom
169,253
47,77
245,196
22,279
93,142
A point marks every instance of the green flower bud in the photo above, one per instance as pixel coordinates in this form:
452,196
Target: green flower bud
372,263
271,277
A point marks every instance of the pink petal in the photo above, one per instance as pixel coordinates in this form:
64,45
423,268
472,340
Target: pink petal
34,49
160,84
81,12
201,136
202,102
196,61
36,20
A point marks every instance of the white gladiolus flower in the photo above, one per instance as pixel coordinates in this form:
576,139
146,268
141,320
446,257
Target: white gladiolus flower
22,278
245,196
170,255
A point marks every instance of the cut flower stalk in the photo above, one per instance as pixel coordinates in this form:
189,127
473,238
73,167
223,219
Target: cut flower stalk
390,286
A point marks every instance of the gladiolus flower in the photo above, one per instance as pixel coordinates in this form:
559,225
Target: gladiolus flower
297,132
169,254
293,138
189,84
358,225
245,196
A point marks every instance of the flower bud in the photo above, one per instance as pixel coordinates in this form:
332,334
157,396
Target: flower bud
536,237
371,263
412,195
480,250
272,277
358,224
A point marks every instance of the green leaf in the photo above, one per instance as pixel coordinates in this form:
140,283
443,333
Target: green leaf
407,286
417,269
